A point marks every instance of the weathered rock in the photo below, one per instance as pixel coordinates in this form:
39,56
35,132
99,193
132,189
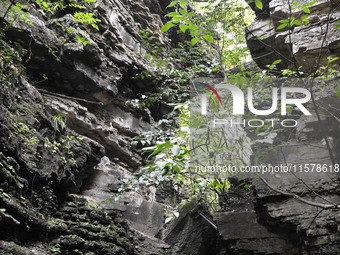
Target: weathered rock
141,209
245,235
306,229
193,232
299,46
85,148
309,173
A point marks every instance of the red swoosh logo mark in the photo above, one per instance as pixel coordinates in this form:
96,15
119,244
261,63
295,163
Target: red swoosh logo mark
213,90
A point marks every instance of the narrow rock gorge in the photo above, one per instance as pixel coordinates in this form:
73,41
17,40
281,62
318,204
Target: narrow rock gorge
67,131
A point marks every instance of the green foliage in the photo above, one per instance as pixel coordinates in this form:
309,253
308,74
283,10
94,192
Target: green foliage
60,122
52,9
259,4
55,249
82,40
166,70
327,71
337,26
62,148
17,12
169,152
272,66
167,145
297,21
87,18
27,135
82,16
211,26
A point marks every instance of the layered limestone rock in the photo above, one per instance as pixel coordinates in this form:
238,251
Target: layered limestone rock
55,178
85,86
289,164
277,222
301,45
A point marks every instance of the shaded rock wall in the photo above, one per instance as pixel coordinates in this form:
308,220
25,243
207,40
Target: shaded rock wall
300,45
274,222
55,178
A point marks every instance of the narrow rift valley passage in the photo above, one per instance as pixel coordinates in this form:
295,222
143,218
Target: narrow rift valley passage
160,127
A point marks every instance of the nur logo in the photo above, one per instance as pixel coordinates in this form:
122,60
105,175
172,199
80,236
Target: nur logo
239,99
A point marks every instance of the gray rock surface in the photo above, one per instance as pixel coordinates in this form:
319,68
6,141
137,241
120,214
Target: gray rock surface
277,223
88,85
299,46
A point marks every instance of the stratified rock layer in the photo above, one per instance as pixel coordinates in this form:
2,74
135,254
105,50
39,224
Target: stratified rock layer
301,45
65,143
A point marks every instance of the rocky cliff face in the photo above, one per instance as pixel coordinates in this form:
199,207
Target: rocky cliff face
275,222
65,132
300,45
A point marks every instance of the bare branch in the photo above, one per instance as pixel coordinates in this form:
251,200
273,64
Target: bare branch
320,205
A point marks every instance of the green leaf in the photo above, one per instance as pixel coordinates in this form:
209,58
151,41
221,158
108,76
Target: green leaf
277,61
337,27
3,209
149,148
77,6
330,60
173,3
281,26
209,38
194,41
311,3
295,3
195,33
189,22
177,170
306,10
82,40
182,11
259,4
338,93
284,21
6,195
172,14
167,26
296,22
183,3
183,28
243,80
86,18
179,18
304,17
